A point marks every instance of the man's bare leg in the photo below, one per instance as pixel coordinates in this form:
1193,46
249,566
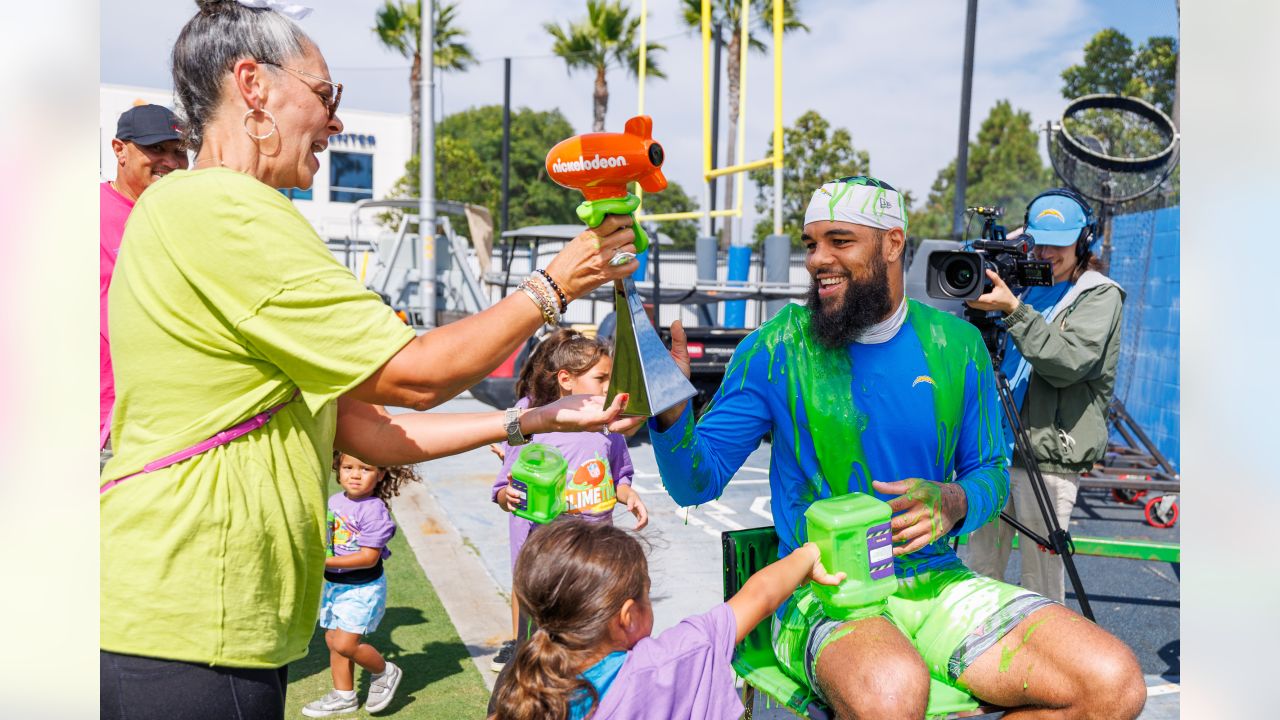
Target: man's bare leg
1056,664
873,672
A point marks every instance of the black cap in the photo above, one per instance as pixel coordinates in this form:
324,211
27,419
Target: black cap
148,125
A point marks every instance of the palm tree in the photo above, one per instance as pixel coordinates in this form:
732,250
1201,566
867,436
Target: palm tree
399,27
451,52
727,14
607,36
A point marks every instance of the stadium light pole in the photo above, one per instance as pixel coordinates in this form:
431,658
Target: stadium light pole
966,94
427,164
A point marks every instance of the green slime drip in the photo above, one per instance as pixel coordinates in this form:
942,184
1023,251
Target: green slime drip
821,381
1007,655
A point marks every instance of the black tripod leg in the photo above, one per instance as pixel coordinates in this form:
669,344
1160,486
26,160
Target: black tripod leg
1059,539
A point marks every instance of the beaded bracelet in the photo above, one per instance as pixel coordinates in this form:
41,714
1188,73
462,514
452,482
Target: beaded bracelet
564,301
537,282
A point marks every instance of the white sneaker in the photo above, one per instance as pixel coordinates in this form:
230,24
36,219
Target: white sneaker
382,688
331,704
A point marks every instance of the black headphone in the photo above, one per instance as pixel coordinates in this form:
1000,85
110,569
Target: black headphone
1087,233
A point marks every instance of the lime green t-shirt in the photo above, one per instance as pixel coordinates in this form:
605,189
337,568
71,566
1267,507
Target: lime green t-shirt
223,303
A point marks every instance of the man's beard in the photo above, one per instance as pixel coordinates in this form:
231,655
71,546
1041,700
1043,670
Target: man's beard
866,302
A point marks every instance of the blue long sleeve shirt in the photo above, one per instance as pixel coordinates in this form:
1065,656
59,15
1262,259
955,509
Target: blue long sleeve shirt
921,405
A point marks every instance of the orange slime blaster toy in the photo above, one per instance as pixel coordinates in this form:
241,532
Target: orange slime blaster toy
602,164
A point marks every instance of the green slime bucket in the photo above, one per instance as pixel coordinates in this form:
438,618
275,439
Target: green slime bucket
539,472
853,534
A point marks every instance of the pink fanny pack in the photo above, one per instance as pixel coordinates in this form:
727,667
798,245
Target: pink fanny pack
217,440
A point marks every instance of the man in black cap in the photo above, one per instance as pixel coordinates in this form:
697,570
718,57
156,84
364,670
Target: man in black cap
148,145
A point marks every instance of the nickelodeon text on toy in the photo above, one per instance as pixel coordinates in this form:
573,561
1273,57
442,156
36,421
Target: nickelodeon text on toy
601,165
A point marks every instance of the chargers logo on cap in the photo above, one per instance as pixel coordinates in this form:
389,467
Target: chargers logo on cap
1053,212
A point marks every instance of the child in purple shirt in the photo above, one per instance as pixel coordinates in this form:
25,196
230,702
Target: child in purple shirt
567,362
586,586
355,589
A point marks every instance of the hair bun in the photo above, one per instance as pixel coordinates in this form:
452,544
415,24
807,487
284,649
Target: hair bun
214,7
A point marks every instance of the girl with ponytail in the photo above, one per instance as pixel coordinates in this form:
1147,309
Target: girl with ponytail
586,587
598,478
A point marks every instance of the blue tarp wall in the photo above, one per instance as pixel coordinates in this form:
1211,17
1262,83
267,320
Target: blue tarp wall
1145,261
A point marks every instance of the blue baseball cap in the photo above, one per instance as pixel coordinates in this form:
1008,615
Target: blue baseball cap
1055,220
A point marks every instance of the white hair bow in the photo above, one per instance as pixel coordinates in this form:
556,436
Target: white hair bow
293,11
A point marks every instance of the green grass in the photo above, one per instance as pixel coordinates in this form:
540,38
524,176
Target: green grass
440,681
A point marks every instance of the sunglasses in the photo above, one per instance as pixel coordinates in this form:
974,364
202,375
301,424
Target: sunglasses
335,89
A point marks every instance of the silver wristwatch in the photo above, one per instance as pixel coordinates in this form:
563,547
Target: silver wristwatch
511,421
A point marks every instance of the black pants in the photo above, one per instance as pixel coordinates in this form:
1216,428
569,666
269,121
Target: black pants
139,688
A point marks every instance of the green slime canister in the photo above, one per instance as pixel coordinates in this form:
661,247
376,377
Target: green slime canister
540,473
852,532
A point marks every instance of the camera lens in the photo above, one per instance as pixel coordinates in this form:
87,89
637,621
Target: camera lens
959,275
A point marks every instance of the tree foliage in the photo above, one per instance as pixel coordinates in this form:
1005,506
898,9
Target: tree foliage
469,165
608,36
398,26
1005,169
1112,65
815,153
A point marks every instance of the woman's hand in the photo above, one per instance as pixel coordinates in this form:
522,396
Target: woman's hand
509,498
1000,298
583,264
575,413
634,504
818,573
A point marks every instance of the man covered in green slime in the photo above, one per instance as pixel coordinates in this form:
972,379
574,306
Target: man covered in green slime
864,390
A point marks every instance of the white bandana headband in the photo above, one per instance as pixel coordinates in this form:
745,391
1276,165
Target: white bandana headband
293,11
861,201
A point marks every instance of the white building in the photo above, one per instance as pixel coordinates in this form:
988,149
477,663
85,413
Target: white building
363,162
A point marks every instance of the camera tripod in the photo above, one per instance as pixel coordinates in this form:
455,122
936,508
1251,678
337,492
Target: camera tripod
1059,540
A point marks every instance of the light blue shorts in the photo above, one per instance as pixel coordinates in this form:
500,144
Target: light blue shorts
353,608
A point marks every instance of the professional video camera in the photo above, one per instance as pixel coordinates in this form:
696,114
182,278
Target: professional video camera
958,275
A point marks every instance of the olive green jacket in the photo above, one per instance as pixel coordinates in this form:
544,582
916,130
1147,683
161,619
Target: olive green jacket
1073,356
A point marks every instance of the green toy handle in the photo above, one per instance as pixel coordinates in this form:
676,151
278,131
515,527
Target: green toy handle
328,522
592,213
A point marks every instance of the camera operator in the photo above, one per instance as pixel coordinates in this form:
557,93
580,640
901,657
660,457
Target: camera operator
1060,359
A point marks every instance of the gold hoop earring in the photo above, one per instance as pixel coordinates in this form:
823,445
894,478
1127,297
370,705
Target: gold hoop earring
270,117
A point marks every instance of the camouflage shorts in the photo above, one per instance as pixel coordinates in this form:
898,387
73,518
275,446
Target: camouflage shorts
950,616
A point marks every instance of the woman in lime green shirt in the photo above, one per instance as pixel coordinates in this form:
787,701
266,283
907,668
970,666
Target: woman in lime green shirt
227,303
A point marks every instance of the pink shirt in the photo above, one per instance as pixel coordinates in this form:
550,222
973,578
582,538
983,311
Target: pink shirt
115,210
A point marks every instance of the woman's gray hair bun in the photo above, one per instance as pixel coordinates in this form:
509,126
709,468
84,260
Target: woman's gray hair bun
210,44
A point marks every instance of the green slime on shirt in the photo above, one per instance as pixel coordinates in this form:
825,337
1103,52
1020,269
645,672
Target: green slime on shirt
821,383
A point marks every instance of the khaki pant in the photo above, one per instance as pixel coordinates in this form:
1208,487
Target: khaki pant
990,545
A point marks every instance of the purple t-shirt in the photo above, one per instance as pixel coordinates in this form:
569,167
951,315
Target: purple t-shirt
356,524
598,464
685,672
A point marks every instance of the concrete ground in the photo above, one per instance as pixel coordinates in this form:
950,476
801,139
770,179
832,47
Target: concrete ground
460,538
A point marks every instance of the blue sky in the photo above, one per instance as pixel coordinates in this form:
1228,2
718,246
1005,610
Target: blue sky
888,70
